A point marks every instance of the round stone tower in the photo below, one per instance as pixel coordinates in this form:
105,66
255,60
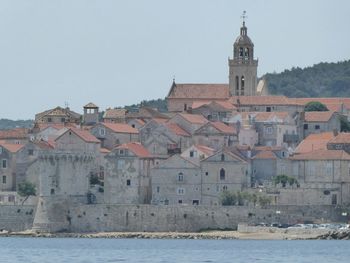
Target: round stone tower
243,66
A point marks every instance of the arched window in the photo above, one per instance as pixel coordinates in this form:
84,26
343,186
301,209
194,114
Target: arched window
180,177
237,85
242,82
246,53
240,52
222,174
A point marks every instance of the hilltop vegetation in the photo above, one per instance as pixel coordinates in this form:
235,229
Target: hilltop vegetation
6,124
320,80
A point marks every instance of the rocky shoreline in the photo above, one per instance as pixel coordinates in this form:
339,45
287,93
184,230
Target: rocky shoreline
264,234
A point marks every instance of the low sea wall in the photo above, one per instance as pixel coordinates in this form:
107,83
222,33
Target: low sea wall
16,217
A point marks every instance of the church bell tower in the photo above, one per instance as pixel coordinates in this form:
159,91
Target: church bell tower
243,67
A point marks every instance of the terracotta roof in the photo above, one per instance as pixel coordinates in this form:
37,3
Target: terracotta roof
199,91
90,105
318,116
58,111
268,148
44,144
137,148
57,126
120,128
139,121
84,135
173,127
104,150
207,150
159,120
262,100
329,102
194,118
267,116
314,142
17,133
322,154
11,147
265,155
341,138
222,127
224,104
114,114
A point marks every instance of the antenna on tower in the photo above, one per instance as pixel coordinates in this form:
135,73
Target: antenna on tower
66,105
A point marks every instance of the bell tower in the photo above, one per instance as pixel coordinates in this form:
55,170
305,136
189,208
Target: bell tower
243,67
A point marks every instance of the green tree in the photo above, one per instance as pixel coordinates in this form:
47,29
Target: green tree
264,201
344,124
228,198
315,106
26,189
284,179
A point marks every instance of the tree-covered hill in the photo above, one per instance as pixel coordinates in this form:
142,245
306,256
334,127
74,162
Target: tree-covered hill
321,80
6,124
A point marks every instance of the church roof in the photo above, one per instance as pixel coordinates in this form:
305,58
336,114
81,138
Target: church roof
199,91
90,105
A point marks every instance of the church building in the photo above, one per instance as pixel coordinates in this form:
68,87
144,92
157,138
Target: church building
242,80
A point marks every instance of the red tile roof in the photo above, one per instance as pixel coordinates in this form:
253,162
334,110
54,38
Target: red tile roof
104,150
11,147
268,116
194,118
120,128
173,127
17,133
222,127
314,142
137,148
265,155
114,114
84,135
318,116
322,154
207,150
225,104
199,91
262,100
341,138
329,102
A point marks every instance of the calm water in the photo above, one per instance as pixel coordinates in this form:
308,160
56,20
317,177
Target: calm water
144,250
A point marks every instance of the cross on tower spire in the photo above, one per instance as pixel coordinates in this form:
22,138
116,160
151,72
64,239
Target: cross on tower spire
244,16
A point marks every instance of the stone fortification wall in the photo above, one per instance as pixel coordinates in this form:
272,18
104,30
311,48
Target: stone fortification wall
16,217
95,218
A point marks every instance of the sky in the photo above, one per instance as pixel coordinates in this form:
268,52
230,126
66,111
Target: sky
115,53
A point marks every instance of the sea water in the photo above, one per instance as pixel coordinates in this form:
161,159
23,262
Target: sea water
13,249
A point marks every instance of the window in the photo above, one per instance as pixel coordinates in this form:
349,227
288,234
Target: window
121,152
4,163
102,131
11,198
206,173
317,127
246,53
191,153
195,202
30,152
268,109
133,125
63,120
128,182
158,189
180,177
224,188
334,199
269,130
52,192
180,201
242,83
240,52
4,179
237,85
222,174
185,107
306,126
222,157
49,120
180,191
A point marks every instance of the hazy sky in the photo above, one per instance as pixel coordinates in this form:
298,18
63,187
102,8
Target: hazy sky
116,53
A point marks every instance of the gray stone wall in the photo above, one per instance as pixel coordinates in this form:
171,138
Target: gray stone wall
16,217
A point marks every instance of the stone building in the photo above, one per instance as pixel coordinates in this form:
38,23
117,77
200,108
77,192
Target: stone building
114,134
115,116
189,122
197,152
213,110
320,121
127,175
176,180
15,136
226,170
91,114
340,141
216,135
58,115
